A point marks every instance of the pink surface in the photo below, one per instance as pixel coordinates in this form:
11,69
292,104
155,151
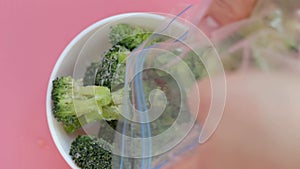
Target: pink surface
33,33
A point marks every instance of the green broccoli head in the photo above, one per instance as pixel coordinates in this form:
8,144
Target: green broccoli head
110,71
90,152
76,105
62,86
63,109
128,36
111,68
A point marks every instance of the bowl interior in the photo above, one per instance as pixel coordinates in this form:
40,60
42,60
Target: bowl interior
73,56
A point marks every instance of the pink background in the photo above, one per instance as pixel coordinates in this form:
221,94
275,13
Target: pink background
33,33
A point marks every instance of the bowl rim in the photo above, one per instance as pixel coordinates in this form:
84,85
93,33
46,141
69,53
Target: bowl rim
62,57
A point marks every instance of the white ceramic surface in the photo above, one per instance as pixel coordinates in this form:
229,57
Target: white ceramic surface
67,60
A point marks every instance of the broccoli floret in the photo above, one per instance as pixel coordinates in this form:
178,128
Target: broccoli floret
128,36
90,152
76,105
111,67
196,65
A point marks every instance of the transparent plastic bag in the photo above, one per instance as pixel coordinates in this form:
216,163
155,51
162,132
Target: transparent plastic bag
184,56
268,40
157,122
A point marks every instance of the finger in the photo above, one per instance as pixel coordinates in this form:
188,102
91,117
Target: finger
228,11
224,12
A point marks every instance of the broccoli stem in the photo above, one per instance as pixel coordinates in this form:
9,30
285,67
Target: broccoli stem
75,105
83,107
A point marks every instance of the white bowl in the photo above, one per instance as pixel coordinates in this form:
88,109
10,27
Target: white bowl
66,63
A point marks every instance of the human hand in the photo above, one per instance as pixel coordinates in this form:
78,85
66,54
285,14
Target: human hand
260,126
224,12
228,11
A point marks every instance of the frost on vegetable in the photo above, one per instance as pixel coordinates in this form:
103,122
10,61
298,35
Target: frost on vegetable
76,105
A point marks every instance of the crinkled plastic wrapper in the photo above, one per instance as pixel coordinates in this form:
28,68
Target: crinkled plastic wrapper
268,40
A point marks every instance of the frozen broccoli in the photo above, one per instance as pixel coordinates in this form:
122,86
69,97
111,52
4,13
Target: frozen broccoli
76,105
90,152
128,36
195,64
111,67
